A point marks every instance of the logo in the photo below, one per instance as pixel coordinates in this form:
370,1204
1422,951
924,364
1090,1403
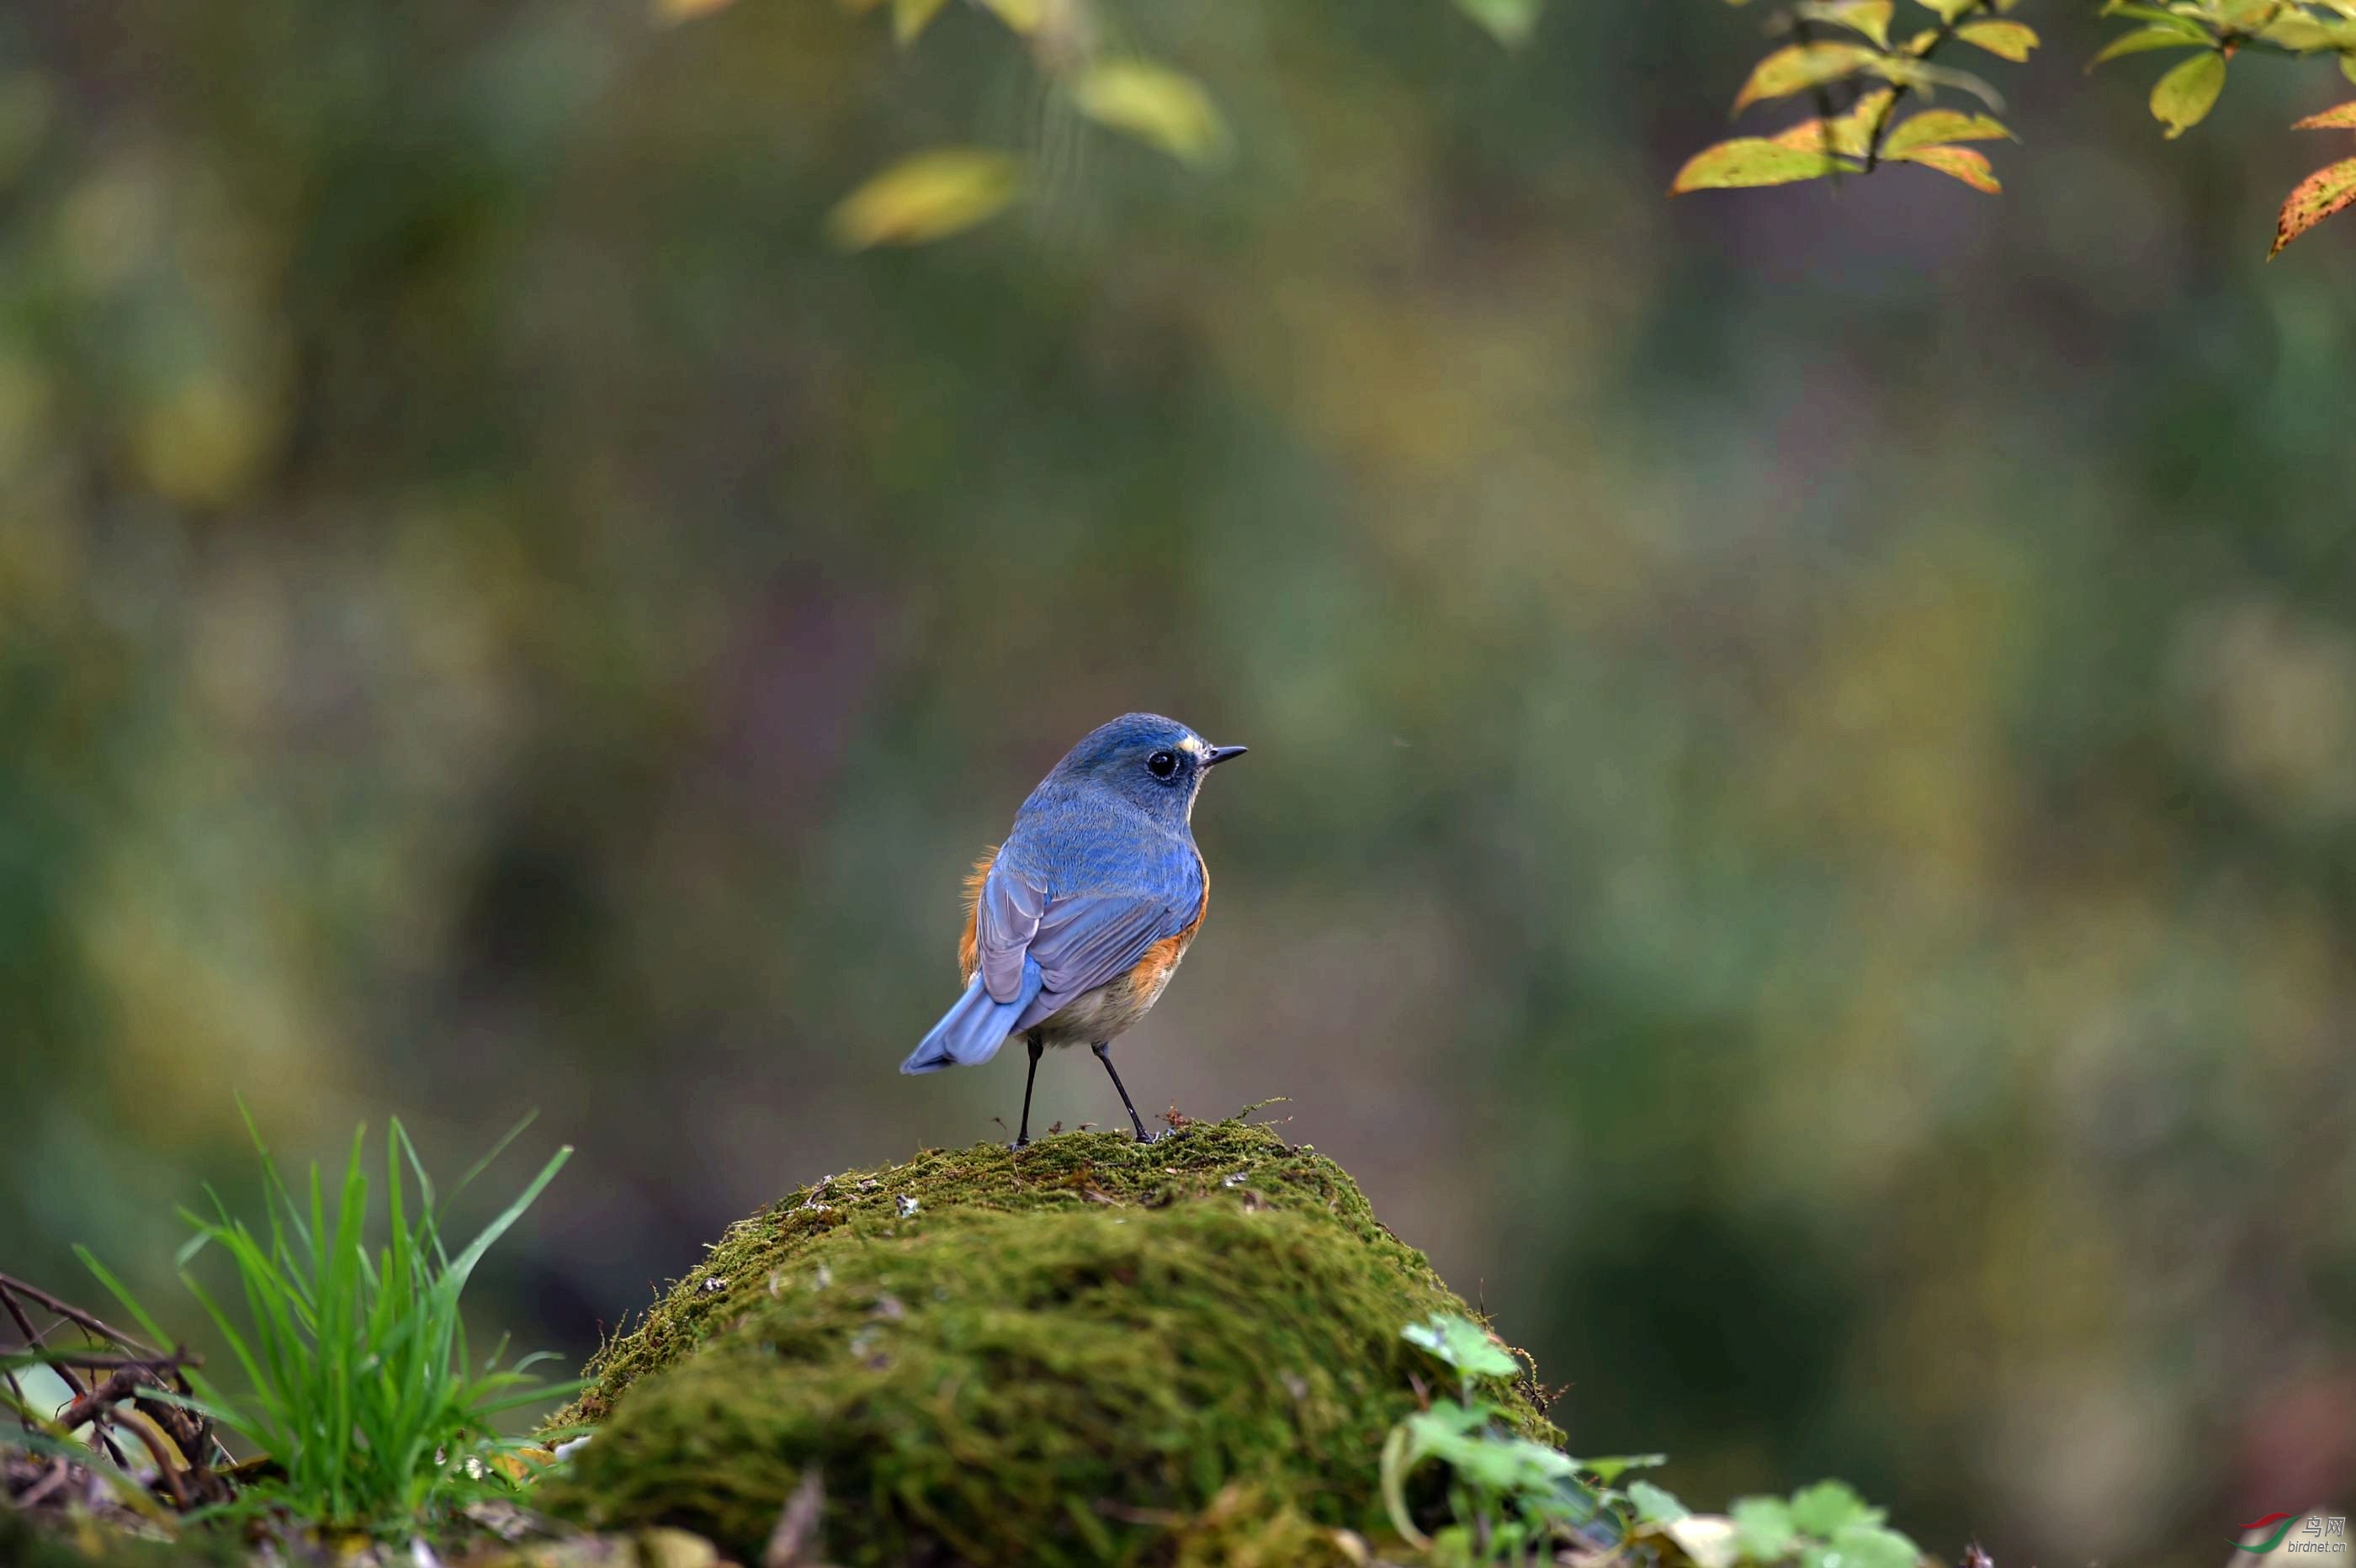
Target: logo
2318,1534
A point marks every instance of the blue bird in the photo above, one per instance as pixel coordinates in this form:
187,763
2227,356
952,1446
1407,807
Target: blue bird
1073,925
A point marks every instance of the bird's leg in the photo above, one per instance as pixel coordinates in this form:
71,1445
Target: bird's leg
1103,1049
1023,1133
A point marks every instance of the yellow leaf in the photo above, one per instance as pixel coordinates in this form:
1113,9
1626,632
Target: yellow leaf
2341,119
1799,66
2183,97
687,10
1754,161
2007,40
1933,127
1165,108
911,17
1870,17
2318,196
1847,134
1966,164
929,197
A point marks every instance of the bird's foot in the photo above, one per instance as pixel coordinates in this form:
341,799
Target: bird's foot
1145,1137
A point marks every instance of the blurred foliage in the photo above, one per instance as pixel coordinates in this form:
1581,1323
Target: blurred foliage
1801,832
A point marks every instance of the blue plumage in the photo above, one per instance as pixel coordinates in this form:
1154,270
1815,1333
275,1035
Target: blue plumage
1080,917
970,1033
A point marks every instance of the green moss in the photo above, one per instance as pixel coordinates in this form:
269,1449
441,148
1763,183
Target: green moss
1094,1351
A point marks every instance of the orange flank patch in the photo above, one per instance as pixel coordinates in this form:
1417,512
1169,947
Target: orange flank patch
1152,971
968,944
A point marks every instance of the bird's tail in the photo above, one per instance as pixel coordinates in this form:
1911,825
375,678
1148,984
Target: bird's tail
970,1033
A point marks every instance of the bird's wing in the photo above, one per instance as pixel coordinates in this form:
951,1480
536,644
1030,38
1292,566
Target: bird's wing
1006,914
1079,942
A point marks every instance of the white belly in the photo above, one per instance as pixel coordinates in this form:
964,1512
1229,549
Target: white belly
1100,1014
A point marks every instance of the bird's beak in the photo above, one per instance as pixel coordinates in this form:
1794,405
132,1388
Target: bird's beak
1217,754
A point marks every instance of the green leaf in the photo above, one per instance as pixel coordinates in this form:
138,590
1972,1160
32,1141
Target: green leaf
2318,197
1462,1344
929,197
1609,1469
1763,1527
1161,107
2341,119
1755,161
1870,17
1935,127
1957,163
1398,1460
2144,39
1948,10
1447,1419
1508,21
1503,1464
2348,64
1829,1507
2007,40
1796,67
2183,97
1654,1504
1869,1545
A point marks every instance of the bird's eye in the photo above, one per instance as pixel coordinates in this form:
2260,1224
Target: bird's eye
1161,764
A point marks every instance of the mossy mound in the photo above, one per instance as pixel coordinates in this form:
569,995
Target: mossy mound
1095,1351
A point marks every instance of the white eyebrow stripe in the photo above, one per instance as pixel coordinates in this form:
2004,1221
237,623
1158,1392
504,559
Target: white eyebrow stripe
1195,744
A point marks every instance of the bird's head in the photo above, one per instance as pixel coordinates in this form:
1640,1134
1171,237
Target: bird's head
1156,763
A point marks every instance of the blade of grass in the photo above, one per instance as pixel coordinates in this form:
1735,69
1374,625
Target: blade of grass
463,1265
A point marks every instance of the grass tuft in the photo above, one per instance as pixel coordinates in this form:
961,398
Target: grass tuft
363,1394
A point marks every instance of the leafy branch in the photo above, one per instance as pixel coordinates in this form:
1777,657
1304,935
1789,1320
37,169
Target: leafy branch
2221,29
1859,137
1868,133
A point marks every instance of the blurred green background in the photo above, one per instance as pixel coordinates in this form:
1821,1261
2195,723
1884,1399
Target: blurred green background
1801,829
